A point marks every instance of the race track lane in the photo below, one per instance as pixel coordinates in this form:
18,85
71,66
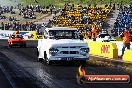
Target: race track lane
4,82
56,76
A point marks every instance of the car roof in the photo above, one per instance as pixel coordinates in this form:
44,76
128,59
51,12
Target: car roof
60,28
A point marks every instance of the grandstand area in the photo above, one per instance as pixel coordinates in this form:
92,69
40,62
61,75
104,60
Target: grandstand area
78,16
32,17
23,67
82,17
123,20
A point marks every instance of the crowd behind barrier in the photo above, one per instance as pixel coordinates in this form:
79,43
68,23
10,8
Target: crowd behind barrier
6,9
123,20
27,12
75,16
82,17
28,26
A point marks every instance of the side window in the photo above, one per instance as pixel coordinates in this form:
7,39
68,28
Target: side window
45,34
76,34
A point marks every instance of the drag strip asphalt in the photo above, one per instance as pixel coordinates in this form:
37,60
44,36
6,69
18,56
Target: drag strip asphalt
24,69
5,81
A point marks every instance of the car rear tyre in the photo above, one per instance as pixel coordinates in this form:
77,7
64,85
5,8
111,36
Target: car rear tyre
39,59
49,62
46,59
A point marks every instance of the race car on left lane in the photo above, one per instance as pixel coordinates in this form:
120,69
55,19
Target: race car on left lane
16,40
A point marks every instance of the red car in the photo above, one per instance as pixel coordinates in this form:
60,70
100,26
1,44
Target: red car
16,40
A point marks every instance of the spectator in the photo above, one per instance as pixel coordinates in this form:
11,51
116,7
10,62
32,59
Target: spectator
126,40
94,32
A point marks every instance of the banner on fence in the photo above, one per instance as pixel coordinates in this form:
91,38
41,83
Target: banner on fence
4,34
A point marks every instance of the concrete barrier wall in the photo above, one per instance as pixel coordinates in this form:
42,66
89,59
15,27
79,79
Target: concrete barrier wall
4,34
105,49
119,46
127,57
29,35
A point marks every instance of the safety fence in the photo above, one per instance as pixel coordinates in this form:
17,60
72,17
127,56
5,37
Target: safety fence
109,51
27,35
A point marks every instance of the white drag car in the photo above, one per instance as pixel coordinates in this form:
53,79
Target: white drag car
104,37
62,44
